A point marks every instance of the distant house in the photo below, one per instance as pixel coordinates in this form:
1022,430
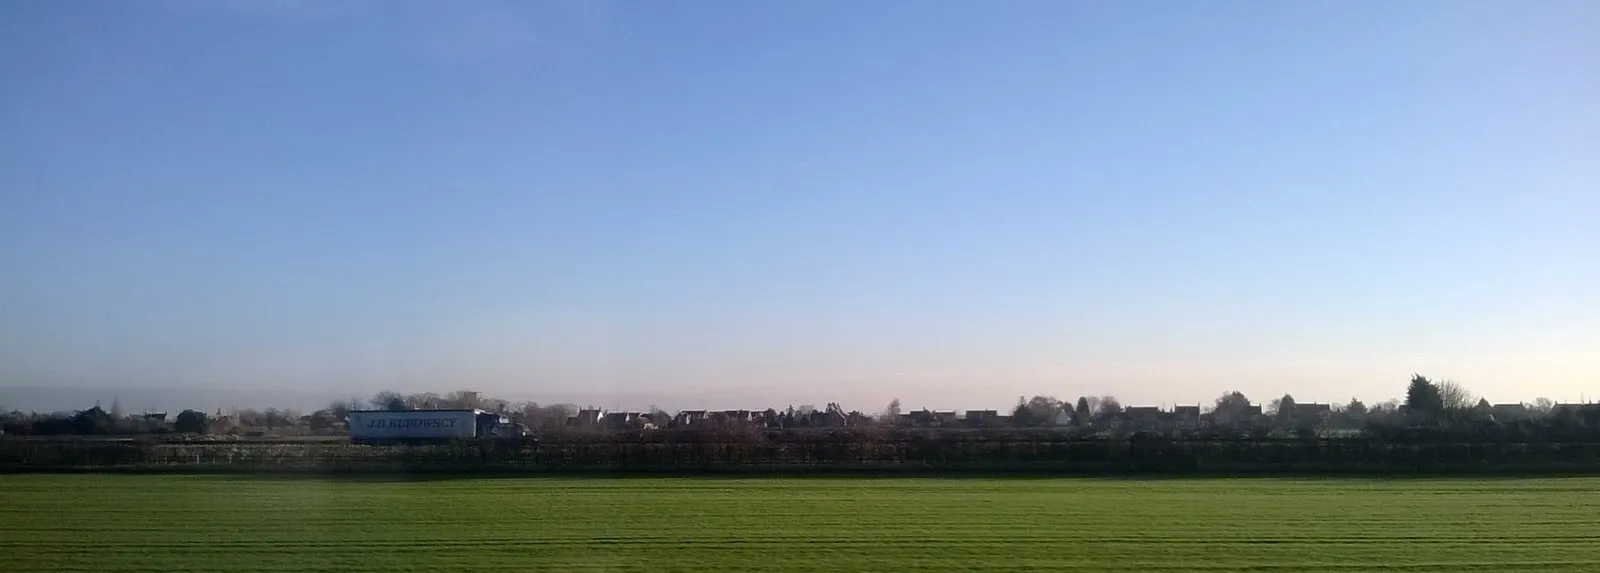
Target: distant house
1576,409
653,420
831,418
1062,418
1142,414
1186,416
587,418
725,419
1140,418
1310,413
1507,412
980,419
732,418
616,420
689,418
1234,417
919,419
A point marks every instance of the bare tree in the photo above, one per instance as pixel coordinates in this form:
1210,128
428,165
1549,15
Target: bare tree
1543,406
340,409
1108,406
285,418
389,400
249,418
891,414
658,417
423,401
1035,411
530,414
1386,407
465,400
1383,410
1456,398
1044,409
556,414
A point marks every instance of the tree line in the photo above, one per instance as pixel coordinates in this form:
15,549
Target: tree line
1437,428
1429,407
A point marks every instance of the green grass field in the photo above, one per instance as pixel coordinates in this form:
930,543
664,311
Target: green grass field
195,523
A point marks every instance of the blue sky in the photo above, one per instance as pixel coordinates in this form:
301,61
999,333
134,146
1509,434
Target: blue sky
758,202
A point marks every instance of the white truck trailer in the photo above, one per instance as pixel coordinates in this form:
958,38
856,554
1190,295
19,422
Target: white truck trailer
384,425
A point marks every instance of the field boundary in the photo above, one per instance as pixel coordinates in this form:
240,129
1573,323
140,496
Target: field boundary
800,458
790,472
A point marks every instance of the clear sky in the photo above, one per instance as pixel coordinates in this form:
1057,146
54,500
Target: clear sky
954,203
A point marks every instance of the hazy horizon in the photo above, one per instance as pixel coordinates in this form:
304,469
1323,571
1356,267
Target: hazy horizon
135,399
952,203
